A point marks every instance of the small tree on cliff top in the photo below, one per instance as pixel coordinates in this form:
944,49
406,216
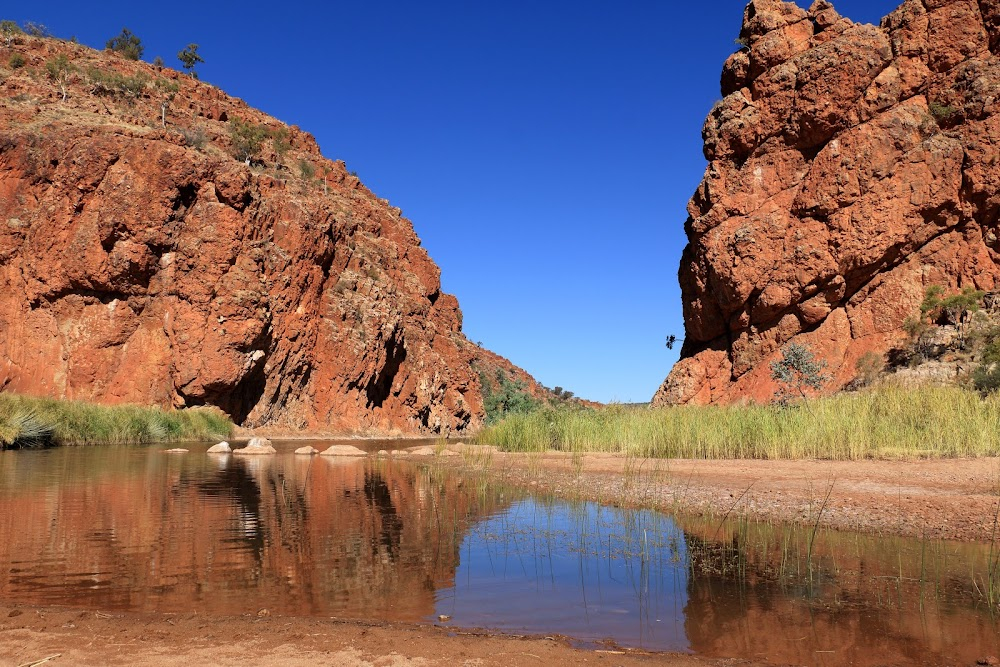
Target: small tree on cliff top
798,370
189,58
127,44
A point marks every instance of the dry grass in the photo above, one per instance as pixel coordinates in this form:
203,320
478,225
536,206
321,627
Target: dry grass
883,423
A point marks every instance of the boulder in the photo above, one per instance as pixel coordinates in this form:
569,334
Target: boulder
307,451
256,446
344,450
221,448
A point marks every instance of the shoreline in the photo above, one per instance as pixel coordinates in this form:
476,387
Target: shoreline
948,499
29,634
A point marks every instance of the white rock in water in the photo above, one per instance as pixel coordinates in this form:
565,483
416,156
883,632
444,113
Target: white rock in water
175,451
421,451
257,446
221,448
308,451
344,450
383,452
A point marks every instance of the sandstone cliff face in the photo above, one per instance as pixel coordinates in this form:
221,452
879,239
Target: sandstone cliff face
850,167
141,262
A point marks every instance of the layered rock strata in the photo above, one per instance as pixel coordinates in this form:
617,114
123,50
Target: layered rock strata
850,167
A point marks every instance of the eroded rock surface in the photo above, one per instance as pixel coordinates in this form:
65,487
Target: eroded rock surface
850,167
140,261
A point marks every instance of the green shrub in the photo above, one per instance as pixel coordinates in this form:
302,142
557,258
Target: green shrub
126,44
942,112
114,84
16,61
59,69
796,371
9,32
247,139
503,396
306,170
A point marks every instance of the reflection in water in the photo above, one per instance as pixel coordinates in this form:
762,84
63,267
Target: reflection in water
134,529
128,528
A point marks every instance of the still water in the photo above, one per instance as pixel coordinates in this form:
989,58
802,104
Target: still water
137,529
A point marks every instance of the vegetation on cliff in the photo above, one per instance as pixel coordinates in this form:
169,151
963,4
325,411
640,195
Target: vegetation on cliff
27,421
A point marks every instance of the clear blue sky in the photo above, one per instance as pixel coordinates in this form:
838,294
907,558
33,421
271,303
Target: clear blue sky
545,151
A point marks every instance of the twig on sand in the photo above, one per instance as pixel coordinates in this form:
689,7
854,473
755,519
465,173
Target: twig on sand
39,662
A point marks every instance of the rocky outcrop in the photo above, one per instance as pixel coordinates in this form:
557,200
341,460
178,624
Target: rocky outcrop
141,261
850,167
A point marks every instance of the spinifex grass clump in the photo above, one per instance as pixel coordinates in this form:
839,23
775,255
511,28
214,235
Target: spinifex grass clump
883,423
35,422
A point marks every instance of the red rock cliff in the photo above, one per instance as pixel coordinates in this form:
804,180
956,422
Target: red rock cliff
850,167
141,262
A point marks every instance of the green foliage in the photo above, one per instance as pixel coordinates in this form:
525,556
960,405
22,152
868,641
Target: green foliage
742,42
561,394
126,44
247,139
59,70
32,422
306,170
9,32
503,396
281,141
16,61
932,302
986,377
116,85
796,371
935,309
158,62
941,112
166,86
189,58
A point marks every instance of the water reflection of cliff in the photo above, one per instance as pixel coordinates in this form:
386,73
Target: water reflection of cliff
752,593
309,535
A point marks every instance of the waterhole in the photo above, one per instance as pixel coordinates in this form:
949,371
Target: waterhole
136,529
